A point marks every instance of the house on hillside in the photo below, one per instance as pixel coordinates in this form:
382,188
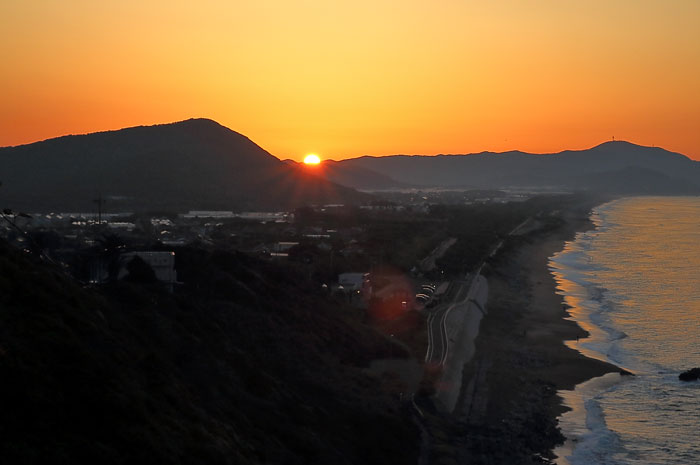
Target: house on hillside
355,282
356,286
391,296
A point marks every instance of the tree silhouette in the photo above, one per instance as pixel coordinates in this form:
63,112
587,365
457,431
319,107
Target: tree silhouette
11,218
140,271
110,247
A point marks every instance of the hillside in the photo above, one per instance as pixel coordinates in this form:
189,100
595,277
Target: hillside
612,167
356,177
218,373
193,164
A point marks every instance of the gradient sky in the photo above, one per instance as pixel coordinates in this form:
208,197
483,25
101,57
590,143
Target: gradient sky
349,78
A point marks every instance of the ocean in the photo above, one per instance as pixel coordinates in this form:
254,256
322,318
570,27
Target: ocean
634,283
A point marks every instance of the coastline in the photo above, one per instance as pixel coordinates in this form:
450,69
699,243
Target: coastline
511,386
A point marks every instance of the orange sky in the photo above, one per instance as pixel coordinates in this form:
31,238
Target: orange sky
349,78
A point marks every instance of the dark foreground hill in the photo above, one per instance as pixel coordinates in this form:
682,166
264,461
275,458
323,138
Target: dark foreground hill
612,167
247,364
193,164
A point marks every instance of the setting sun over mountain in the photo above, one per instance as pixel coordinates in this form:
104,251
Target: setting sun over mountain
367,232
312,159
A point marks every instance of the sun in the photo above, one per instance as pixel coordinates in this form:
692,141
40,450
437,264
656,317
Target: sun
312,159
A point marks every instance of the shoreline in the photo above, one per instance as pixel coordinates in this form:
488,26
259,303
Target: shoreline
620,295
522,361
574,421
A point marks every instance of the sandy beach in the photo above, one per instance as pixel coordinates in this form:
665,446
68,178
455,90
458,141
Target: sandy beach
508,408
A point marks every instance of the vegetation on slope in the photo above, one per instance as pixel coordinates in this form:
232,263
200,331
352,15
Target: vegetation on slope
247,363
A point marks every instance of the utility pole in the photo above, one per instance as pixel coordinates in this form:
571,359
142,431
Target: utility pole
100,202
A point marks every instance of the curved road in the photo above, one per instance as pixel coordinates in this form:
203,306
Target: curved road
438,336
458,293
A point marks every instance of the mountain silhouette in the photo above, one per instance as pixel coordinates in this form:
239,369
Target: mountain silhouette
613,167
193,164
357,177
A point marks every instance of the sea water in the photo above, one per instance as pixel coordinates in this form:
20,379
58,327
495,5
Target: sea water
634,283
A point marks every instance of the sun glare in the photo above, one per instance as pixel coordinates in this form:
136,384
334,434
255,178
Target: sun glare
312,159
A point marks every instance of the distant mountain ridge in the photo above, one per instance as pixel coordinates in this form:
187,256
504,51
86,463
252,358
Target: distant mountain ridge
617,167
192,164
200,164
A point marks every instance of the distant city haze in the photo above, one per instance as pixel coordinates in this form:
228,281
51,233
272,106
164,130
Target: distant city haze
345,79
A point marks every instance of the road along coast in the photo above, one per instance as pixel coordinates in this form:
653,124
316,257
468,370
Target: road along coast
461,328
509,387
